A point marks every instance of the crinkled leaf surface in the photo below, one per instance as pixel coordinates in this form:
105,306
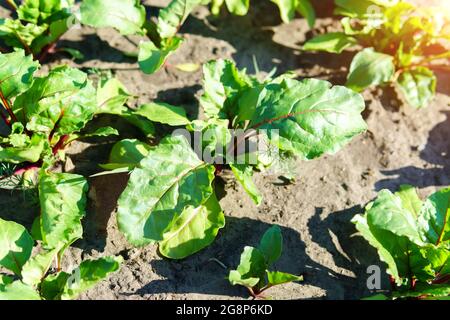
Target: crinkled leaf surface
62,102
222,83
16,73
30,152
418,86
63,204
161,188
309,117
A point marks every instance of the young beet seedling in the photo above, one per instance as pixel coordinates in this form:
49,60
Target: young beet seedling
403,44
63,204
253,272
129,18
170,197
42,115
413,238
287,8
38,26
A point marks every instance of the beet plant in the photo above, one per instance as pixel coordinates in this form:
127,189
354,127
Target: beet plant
37,26
129,18
249,125
253,270
36,270
288,8
402,45
413,239
43,115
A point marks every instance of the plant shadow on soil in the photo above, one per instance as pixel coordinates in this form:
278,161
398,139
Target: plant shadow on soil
188,275
436,151
338,236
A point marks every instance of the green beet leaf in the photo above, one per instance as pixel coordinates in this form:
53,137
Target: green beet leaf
193,230
161,189
370,68
127,16
16,73
418,86
127,153
88,274
63,204
253,272
164,113
62,102
334,42
411,238
18,291
15,246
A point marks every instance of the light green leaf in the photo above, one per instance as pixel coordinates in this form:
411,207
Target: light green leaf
172,17
276,278
222,81
236,278
151,58
370,68
28,153
334,42
271,244
243,174
287,9
418,86
63,204
102,132
36,268
111,99
307,118
126,16
16,73
88,274
127,153
18,291
252,264
164,113
238,7
307,10
384,253
387,213
62,102
410,199
161,188
193,230
15,246
112,96
434,218
41,11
